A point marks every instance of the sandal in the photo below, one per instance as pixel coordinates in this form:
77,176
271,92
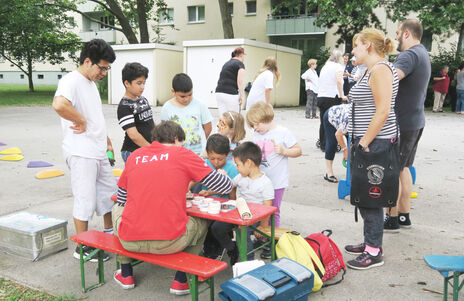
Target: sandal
331,179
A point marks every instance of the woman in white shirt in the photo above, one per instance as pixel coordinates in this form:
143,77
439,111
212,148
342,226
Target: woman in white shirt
264,83
311,84
330,88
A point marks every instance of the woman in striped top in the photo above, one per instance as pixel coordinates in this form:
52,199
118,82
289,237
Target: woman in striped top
373,128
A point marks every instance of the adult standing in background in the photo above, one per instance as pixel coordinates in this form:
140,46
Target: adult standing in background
330,88
311,80
264,83
85,141
229,90
460,89
346,73
440,89
413,67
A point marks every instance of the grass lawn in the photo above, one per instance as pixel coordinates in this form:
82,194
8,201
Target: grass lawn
19,95
14,292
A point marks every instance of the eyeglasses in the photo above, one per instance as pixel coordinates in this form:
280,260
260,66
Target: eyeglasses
103,69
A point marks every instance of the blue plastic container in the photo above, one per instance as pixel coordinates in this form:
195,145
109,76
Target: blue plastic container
280,280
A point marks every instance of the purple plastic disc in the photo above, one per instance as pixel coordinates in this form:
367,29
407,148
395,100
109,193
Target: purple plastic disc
33,164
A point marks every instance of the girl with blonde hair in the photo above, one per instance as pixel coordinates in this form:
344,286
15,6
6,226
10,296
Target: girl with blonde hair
311,80
264,83
373,129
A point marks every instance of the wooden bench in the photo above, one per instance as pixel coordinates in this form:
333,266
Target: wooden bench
197,268
446,264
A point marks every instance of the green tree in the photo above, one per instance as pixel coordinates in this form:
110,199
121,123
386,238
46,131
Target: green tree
32,32
349,17
441,17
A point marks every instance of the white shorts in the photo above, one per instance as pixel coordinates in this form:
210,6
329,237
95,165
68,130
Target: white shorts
93,184
227,102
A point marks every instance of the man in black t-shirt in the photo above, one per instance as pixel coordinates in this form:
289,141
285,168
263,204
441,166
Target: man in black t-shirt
134,113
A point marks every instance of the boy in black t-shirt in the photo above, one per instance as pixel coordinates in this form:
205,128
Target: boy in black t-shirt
134,113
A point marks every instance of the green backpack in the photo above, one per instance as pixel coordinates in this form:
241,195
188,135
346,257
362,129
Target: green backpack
295,247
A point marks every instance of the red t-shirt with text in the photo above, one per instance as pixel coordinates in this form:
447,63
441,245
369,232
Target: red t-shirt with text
156,178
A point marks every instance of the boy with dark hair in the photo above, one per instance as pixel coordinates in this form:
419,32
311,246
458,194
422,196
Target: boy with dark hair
192,115
134,113
254,187
85,140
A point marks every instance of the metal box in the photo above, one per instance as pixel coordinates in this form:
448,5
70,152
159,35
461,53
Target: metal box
280,280
32,235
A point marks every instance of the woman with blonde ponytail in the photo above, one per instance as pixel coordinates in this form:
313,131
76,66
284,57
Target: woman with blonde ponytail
264,83
373,129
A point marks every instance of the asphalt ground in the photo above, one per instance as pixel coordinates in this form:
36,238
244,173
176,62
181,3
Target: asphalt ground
309,205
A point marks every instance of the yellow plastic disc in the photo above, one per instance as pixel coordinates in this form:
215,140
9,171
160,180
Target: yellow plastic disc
12,157
413,195
11,151
51,173
117,172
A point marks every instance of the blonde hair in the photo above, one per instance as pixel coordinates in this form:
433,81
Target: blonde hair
311,62
236,123
381,44
260,112
336,56
270,64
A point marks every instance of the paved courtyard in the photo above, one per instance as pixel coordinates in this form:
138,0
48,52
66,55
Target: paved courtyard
310,205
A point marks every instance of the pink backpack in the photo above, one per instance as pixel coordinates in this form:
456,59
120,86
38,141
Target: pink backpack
328,253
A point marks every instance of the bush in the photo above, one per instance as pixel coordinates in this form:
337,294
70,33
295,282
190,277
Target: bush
443,58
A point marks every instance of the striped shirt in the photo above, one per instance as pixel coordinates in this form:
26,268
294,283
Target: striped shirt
364,108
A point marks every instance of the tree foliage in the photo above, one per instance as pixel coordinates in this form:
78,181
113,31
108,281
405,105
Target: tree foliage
437,16
349,17
33,31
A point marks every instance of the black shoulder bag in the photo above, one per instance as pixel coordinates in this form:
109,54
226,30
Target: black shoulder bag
374,175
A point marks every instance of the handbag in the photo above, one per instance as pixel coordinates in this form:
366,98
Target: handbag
248,87
374,175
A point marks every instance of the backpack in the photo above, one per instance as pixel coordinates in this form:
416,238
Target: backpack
293,246
328,253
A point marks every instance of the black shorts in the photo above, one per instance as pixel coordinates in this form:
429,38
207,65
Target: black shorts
408,146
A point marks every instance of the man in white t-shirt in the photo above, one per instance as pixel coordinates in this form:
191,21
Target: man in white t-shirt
85,141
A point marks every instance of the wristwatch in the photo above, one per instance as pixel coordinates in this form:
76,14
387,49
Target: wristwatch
361,147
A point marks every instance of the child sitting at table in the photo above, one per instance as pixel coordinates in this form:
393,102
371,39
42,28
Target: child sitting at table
217,149
232,125
254,187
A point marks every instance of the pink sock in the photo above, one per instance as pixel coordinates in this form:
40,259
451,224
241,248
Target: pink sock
371,250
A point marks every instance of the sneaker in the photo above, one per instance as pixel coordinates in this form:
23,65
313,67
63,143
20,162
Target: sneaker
390,224
404,221
366,261
179,288
233,255
87,250
266,253
125,282
357,249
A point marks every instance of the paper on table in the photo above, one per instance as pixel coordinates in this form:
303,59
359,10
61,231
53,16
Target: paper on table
243,209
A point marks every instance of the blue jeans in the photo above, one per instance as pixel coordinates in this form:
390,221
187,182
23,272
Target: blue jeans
460,100
330,140
125,155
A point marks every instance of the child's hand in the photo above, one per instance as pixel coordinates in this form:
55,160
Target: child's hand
279,149
222,171
204,193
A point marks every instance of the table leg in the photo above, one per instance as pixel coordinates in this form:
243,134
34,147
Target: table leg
242,247
273,254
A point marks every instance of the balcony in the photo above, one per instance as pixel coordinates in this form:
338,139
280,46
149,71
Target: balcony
293,25
108,35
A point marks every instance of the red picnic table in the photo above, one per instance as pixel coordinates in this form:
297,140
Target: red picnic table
258,213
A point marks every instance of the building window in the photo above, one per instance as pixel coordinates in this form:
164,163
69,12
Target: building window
196,14
40,76
167,17
230,6
21,76
107,20
1,76
60,76
251,7
427,40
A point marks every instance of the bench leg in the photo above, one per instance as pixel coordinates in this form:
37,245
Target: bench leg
193,285
211,288
100,270
81,260
273,252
